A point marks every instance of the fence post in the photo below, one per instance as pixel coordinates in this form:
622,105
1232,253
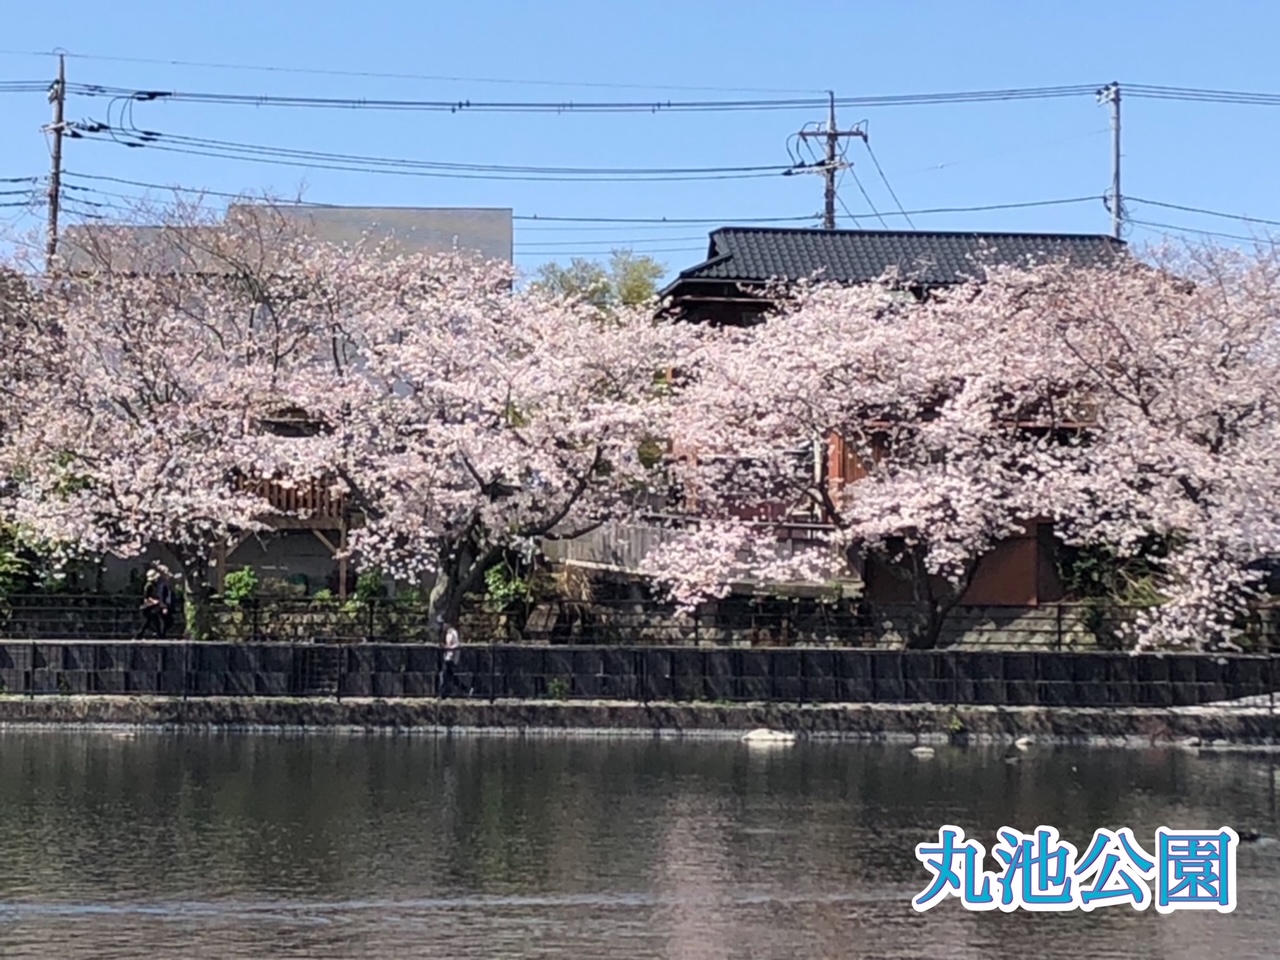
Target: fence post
256,620
369,606
955,679
1036,674
31,674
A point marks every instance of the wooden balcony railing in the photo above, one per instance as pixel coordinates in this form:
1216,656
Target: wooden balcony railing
306,499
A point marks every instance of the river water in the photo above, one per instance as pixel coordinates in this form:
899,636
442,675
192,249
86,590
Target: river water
233,847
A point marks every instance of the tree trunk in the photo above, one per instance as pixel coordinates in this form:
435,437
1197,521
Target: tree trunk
445,599
460,573
927,634
198,610
934,602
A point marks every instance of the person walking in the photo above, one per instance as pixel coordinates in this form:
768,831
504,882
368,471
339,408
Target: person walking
449,663
157,606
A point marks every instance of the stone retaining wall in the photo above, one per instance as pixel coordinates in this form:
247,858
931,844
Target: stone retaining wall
925,723
724,675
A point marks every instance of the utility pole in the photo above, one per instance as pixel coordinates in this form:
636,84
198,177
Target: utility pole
58,96
1111,94
832,134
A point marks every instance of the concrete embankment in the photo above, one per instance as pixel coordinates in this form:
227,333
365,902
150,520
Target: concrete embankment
1244,725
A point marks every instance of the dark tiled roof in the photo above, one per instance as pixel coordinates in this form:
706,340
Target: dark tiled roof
758,254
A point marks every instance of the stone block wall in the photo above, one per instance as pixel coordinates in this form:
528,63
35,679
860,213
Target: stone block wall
638,673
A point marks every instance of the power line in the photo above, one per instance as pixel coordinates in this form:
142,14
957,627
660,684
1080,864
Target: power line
1195,94
527,228
866,197
134,198
849,213
596,253
318,160
759,220
1201,210
664,220
1140,90
206,65
169,187
607,222
607,243
150,136
655,221
1137,90
571,106
1000,206
887,186
1151,91
1205,233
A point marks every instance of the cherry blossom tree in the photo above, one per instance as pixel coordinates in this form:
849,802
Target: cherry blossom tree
919,405
1181,357
486,418
462,418
150,362
1125,404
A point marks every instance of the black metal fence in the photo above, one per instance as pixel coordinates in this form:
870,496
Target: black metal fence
736,622
798,675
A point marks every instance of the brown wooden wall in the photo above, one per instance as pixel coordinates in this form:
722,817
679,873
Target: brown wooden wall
308,498
1019,572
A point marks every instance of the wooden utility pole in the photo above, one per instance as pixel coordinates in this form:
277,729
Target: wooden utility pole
58,96
832,134
1111,94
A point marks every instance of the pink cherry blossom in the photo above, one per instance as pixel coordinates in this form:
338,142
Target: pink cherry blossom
1118,403
461,417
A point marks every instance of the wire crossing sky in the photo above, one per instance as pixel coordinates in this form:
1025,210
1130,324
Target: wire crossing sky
601,130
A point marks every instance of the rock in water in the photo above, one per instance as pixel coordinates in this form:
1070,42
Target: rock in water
765,735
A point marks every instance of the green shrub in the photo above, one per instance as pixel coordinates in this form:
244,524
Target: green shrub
558,688
281,587
369,586
239,586
504,588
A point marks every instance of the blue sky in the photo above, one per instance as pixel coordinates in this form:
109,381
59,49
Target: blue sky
1214,156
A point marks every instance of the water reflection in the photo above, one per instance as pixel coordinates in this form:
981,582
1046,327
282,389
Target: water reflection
330,846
